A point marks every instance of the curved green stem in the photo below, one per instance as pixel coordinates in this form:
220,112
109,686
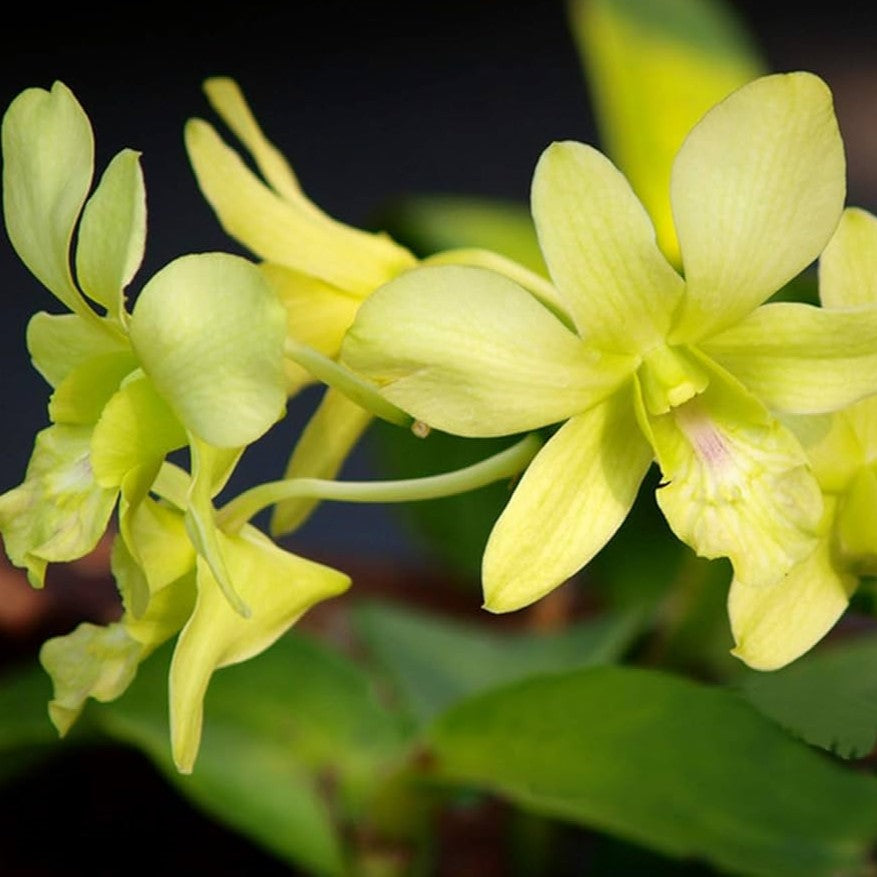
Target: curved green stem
347,382
506,464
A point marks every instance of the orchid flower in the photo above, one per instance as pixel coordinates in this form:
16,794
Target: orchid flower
777,625
650,366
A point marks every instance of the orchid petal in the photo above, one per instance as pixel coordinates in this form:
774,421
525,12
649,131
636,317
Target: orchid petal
279,587
317,314
82,395
279,231
112,234
775,625
599,245
321,450
60,512
653,74
757,190
802,359
209,333
572,498
848,265
737,482
92,661
48,160
468,351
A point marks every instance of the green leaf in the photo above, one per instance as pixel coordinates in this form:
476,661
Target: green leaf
432,223
210,333
685,769
48,160
276,730
828,698
436,662
112,235
653,69
24,721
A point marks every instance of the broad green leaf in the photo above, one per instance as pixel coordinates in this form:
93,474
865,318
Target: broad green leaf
58,343
60,512
48,160
828,698
432,223
210,333
24,693
435,662
686,769
81,396
112,234
297,713
653,69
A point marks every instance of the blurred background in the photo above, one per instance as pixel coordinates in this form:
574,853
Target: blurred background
371,102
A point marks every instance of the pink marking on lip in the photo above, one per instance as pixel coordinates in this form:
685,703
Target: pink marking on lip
705,438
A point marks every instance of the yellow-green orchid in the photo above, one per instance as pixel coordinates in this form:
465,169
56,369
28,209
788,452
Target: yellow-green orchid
198,362
685,371
321,270
775,626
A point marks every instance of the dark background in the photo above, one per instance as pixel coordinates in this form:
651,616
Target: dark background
370,101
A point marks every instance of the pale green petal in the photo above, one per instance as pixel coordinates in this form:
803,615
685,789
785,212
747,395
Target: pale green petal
863,419
58,343
775,625
278,586
856,531
571,500
82,395
653,69
59,513
287,233
317,314
136,428
210,332
802,359
156,537
112,233
161,614
737,483
757,190
48,160
93,661
848,265
227,99
320,451
211,468
468,351
599,245
833,448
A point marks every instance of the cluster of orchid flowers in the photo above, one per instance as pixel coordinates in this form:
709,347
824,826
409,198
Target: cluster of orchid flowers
758,415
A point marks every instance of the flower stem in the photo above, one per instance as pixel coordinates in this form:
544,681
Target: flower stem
347,382
506,464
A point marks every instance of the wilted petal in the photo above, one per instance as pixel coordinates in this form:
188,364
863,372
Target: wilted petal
93,661
802,359
278,586
848,265
757,190
599,245
738,483
572,498
60,512
468,351
773,626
